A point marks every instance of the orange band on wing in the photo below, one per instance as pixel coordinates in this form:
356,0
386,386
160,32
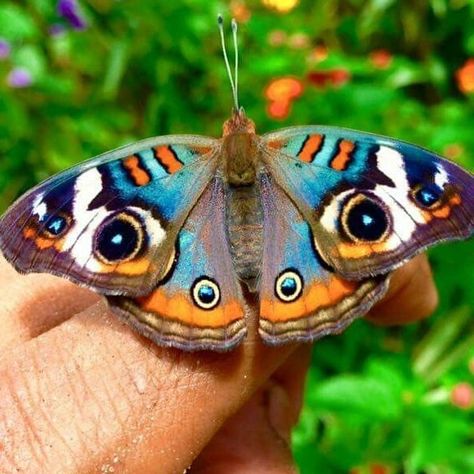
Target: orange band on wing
341,161
359,250
444,211
168,159
135,170
134,267
42,243
180,308
310,147
317,296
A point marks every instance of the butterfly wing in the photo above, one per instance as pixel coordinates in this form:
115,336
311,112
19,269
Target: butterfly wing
200,305
372,202
301,298
111,223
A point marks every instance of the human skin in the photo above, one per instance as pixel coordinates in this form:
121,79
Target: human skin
80,392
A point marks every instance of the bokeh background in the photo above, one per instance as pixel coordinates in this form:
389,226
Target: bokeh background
80,77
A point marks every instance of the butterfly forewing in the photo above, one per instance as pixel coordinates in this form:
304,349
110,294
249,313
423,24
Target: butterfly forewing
372,202
112,222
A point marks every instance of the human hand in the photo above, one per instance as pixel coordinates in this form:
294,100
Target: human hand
80,392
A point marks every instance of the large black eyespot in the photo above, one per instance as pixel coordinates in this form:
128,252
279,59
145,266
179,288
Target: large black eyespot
54,225
119,239
289,285
205,293
428,195
364,219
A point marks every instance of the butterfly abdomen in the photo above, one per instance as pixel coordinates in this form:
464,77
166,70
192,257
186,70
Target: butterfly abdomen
244,217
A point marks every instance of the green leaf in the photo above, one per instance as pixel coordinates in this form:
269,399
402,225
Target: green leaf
31,58
360,395
16,24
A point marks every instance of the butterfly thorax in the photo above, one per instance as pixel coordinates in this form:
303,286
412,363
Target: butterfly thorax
239,150
244,212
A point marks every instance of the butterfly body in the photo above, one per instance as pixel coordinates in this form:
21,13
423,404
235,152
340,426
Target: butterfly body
312,219
244,216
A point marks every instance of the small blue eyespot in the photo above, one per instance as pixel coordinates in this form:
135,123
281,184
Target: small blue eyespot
288,286
54,225
206,294
428,195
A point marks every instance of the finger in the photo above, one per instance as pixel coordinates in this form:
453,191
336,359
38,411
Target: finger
90,395
257,438
53,299
291,376
248,442
412,295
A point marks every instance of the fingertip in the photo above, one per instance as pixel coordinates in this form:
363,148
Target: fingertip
412,295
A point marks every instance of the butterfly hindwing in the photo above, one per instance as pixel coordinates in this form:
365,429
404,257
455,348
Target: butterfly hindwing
372,202
200,305
301,298
111,223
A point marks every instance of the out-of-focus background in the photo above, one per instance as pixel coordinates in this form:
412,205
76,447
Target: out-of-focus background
81,77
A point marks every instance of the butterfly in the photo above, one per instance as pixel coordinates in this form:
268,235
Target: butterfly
172,229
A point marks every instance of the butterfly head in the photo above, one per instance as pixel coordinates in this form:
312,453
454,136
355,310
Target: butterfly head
238,124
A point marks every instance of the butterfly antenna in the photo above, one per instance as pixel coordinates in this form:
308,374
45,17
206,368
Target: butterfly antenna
236,64
233,84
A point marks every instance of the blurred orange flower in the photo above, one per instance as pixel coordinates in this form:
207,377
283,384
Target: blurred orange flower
462,395
240,11
299,41
284,88
340,76
282,6
279,110
334,77
453,151
381,58
465,77
277,37
318,54
375,468
280,94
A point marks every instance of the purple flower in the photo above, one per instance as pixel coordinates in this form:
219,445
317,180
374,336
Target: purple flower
19,77
4,48
68,9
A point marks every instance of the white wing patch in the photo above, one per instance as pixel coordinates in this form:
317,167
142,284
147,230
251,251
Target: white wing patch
441,177
390,163
405,215
39,207
79,240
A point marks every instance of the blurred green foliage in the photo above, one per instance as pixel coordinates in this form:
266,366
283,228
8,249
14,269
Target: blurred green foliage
378,400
